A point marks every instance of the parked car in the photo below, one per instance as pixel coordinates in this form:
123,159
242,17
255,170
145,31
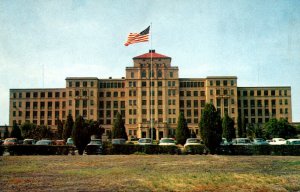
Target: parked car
278,141
167,141
225,142
145,141
241,141
94,147
29,141
70,142
293,142
10,141
44,142
260,141
192,141
60,142
118,141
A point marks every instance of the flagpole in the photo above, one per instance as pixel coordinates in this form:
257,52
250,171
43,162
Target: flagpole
151,89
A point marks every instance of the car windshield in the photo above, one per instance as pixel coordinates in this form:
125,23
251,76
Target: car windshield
193,141
167,141
11,140
44,142
258,140
145,141
95,142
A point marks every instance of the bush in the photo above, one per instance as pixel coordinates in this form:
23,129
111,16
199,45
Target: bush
195,149
2,148
39,150
126,149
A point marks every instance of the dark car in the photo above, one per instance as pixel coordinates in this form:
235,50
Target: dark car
94,147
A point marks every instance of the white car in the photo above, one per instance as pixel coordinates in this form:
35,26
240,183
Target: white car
293,142
241,141
167,141
278,141
192,141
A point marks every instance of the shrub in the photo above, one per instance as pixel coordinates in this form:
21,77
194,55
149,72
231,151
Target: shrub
39,150
195,149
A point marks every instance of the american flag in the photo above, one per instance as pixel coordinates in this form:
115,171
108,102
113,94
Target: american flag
138,37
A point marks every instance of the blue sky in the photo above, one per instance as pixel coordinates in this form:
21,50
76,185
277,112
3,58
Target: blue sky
257,41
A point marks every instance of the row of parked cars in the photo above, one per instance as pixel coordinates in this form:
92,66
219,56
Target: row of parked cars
15,141
260,141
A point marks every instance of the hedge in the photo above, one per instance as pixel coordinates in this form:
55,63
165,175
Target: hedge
39,149
195,149
293,150
126,149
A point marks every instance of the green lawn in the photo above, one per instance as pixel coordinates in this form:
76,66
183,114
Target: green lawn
150,173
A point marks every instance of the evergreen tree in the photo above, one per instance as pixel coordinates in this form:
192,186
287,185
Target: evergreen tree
182,131
29,130
118,129
68,126
250,131
95,128
80,134
15,132
60,129
228,128
211,128
258,131
240,127
6,132
44,132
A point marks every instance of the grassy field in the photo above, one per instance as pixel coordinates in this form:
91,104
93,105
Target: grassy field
149,173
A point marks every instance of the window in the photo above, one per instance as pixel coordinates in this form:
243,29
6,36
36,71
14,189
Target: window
132,74
144,84
225,82
266,92
27,94
171,74
258,92
273,93
159,73
251,93
211,92
202,93
77,84
108,94
70,83
143,73
49,94
84,83
92,84
217,83
115,94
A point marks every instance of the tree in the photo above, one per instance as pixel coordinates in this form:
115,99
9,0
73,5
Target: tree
193,134
60,129
16,132
259,132
80,134
182,131
68,126
240,127
94,128
228,128
44,131
29,130
279,128
250,131
118,130
211,128
6,132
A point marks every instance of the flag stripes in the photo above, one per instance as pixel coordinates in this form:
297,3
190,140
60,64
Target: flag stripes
138,37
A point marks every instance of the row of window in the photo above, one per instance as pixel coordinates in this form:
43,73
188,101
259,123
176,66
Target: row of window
109,104
221,82
81,83
191,93
262,93
261,103
265,112
152,74
39,95
112,84
192,84
41,105
110,94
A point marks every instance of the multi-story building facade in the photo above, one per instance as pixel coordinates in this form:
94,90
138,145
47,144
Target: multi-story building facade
151,89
